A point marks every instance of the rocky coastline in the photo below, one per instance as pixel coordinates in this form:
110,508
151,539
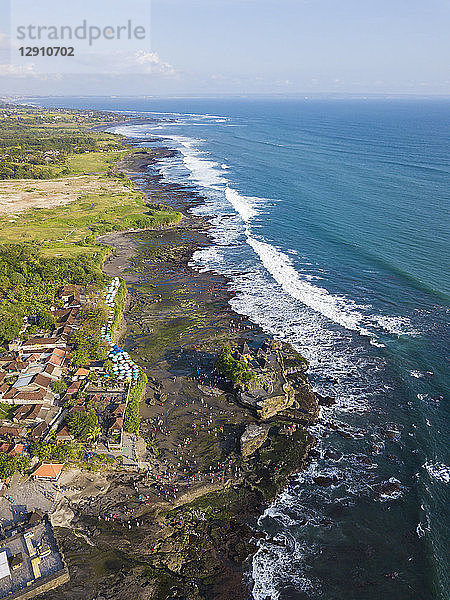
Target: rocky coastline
216,450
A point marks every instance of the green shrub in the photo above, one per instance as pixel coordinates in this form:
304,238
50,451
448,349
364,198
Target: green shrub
236,371
131,419
11,464
56,450
59,387
83,425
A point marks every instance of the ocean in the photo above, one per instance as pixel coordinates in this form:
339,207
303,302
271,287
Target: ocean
330,219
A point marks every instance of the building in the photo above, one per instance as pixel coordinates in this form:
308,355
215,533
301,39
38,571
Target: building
35,561
4,566
48,472
15,561
81,373
42,343
71,295
15,432
73,388
63,435
31,563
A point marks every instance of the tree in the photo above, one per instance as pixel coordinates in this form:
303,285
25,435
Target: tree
10,322
17,279
80,357
11,464
236,371
108,368
94,433
46,321
56,450
83,425
59,387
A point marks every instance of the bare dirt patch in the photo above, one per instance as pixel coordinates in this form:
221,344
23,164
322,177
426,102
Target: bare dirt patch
20,195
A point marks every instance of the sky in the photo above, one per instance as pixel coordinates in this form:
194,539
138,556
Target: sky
215,47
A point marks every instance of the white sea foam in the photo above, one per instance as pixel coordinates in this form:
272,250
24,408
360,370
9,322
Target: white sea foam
417,374
244,205
338,309
282,561
421,530
341,310
276,294
204,172
438,471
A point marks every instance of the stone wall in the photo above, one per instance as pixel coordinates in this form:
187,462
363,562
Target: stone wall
42,585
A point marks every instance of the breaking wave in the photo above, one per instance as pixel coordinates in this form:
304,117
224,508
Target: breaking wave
438,471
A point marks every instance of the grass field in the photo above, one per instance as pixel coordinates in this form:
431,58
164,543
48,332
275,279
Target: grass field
82,200
91,213
113,207
83,163
94,162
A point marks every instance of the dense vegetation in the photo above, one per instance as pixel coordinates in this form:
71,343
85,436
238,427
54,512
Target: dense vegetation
84,425
59,387
131,421
11,464
236,371
35,144
87,340
56,450
29,284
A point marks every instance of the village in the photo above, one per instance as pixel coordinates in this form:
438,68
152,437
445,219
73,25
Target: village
51,412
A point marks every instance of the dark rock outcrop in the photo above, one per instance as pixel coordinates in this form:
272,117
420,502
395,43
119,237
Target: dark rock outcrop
279,384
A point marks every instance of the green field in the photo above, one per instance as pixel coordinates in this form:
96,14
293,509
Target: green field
44,144
63,193
94,162
79,222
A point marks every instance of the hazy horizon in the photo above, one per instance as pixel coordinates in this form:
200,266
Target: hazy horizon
235,47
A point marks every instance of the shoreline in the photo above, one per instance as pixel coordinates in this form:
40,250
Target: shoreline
243,489
182,516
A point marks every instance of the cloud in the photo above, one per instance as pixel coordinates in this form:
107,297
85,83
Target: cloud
151,63
5,41
7,69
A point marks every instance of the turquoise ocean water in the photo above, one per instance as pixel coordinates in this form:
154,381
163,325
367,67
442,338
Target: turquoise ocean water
331,219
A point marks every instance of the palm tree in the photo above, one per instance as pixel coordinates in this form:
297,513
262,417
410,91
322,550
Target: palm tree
94,433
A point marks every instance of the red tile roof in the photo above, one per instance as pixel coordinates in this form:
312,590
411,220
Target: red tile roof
28,396
54,360
59,352
17,365
34,357
117,425
49,369
14,431
74,387
49,470
41,341
63,433
81,372
17,450
27,411
39,430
